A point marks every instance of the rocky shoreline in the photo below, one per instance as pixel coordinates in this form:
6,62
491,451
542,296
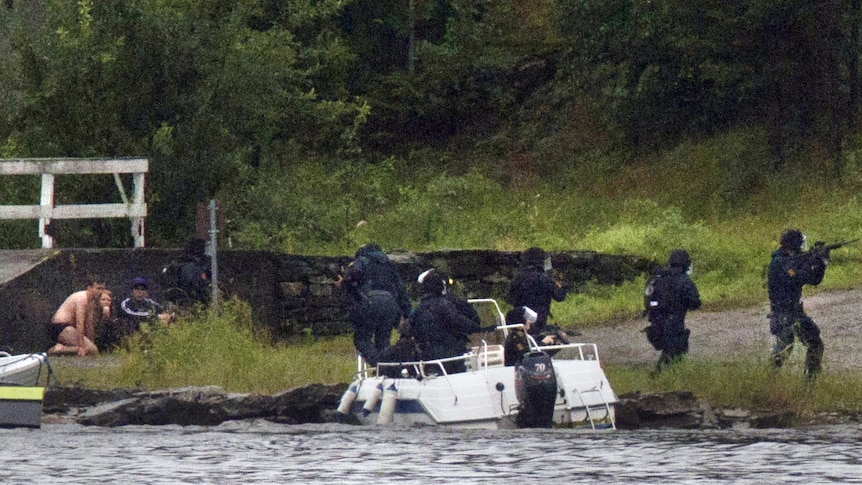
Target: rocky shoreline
187,406
210,406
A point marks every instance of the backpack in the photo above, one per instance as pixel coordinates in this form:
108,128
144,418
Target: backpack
658,300
659,293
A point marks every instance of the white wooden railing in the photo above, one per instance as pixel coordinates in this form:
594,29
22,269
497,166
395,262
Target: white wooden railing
135,208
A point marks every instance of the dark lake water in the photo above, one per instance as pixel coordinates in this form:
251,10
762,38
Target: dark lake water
261,452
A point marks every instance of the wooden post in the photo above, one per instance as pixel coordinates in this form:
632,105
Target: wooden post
214,253
138,200
46,207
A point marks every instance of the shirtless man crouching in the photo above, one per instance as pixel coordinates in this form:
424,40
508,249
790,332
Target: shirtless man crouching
72,327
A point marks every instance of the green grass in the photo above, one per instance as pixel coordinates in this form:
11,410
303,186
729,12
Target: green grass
748,382
209,349
716,197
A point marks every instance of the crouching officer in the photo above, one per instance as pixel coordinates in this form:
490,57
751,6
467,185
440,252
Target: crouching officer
517,343
789,270
439,325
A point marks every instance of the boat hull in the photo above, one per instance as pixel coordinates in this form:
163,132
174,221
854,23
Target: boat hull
485,398
22,369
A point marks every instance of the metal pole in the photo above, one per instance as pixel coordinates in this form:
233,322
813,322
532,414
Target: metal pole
411,36
213,258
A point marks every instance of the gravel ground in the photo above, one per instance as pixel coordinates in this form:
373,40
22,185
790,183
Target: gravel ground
724,336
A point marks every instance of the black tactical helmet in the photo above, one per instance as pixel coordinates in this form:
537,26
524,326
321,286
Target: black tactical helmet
368,250
792,240
515,316
679,258
533,257
432,282
520,314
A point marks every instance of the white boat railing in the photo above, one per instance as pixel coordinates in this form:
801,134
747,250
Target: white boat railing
473,361
420,368
591,353
584,351
500,318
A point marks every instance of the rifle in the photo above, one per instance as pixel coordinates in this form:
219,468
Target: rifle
822,249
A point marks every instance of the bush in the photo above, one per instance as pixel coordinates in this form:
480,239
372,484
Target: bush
223,349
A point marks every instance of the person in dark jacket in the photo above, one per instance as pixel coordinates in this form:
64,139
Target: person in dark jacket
139,307
377,300
517,344
194,274
683,296
440,328
533,287
789,270
462,304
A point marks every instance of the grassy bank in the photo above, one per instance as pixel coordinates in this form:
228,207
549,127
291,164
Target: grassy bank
717,198
225,351
748,382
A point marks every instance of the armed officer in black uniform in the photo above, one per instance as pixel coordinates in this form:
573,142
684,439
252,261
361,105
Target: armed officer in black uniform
789,270
670,318
534,288
377,300
439,326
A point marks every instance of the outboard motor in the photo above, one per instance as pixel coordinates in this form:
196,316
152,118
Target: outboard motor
536,390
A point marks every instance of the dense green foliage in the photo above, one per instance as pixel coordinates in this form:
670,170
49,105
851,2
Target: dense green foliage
201,89
661,69
305,118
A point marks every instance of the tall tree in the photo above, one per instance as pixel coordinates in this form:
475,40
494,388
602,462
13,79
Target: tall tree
657,71
202,88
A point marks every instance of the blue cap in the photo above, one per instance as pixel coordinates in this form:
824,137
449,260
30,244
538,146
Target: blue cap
142,282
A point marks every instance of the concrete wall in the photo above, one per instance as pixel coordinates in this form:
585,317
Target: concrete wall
288,293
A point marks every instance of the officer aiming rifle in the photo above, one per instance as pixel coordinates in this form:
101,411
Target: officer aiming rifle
791,268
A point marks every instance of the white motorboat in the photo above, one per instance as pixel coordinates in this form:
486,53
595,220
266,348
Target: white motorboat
22,369
489,394
20,393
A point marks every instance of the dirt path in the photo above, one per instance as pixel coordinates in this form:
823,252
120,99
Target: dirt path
723,336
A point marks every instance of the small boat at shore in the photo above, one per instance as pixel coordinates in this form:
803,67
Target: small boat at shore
20,393
569,389
22,369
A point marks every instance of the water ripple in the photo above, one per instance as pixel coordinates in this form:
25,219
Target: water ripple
257,451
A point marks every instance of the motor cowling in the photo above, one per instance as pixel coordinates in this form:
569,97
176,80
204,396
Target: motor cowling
536,390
